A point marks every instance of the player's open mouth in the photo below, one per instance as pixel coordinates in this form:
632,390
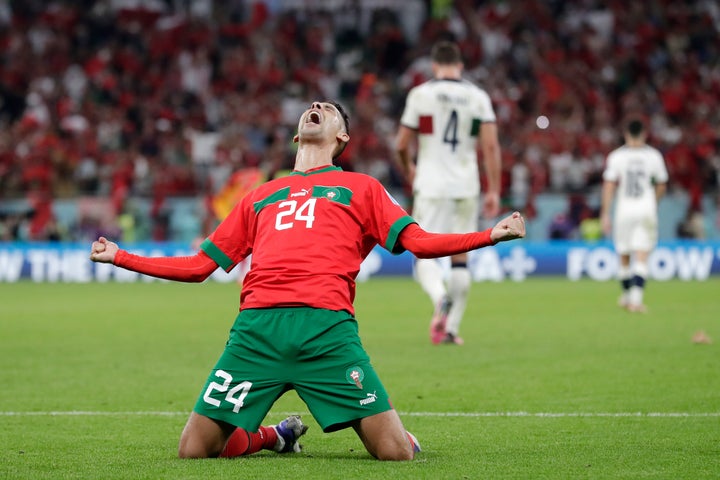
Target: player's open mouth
313,117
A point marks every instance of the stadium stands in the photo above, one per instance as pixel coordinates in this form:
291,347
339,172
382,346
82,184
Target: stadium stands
142,103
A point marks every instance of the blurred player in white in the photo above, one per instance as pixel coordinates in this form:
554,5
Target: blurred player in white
449,118
635,177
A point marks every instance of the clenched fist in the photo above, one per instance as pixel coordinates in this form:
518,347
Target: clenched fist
103,251
510,227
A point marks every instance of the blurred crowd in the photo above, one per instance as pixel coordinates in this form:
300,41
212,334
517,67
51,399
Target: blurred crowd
156,99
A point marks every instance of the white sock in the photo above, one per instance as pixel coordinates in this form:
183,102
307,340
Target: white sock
458,289
625,277
637,291
430,275
636,295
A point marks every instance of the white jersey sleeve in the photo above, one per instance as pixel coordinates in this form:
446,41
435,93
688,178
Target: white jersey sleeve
447,115
636,171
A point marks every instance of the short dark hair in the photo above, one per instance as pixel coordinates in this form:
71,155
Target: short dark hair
446,52
346,120
635,127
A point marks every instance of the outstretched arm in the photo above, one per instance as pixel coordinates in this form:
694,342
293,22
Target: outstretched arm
432,245
195,268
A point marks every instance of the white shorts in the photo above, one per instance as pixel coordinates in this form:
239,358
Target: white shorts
447,215
632,234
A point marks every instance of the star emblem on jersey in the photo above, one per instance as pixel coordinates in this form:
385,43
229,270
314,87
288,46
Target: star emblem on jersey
355,375
331,194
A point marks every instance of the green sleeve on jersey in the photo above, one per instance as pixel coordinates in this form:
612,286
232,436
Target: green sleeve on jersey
216,254
335,194
475,128
391,242
281,194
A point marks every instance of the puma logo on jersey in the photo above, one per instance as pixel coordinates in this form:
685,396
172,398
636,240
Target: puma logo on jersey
301,193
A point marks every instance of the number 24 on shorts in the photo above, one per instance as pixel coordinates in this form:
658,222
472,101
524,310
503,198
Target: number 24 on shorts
236,395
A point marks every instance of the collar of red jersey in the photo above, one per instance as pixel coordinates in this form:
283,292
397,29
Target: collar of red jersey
324,168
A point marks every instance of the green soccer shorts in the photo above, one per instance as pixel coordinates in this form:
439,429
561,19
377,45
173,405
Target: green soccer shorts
316,352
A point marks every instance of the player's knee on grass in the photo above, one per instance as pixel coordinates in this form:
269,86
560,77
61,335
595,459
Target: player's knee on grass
203,437
385,437
190,448
395,451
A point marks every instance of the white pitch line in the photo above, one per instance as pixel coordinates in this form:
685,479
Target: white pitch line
562,414
81,413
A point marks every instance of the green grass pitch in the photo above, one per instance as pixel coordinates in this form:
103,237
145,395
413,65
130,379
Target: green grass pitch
554,381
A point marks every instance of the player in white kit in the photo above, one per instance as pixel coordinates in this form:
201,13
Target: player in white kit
450,118
635,178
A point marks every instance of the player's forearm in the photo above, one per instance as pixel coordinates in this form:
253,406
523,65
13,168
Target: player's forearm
490,146
491,157
424,244
403,159
608,192
183,269
660,190
402,147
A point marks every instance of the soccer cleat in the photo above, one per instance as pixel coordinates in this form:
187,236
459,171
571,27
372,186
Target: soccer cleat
414,442
288,431
437,325
452,339
623,301
636,308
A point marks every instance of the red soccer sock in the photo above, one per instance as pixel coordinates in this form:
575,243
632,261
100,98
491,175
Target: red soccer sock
242,442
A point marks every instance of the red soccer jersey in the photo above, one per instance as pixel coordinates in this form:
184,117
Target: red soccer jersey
308,234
